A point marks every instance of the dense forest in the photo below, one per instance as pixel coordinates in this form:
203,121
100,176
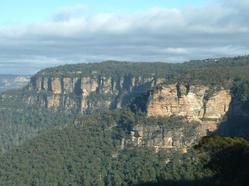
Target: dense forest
87,152
55,147
20,122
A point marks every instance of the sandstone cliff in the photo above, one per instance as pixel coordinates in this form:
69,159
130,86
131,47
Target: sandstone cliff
85,89
195,103
201,109
87,93
166,137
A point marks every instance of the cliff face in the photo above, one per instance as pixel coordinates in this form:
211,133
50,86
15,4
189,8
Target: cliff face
196,103
204,106
87,93
166,138
200,108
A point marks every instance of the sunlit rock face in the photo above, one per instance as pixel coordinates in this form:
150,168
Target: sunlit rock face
200,107
166,102
195,104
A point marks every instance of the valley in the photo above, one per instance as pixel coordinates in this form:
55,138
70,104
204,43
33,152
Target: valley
13,82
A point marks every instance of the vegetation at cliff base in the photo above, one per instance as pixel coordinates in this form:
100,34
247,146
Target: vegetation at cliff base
89,152
20,122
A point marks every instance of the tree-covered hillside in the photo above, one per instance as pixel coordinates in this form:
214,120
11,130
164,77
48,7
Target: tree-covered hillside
88,152
20,122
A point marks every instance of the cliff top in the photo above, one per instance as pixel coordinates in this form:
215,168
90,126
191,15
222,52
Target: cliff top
208,71
111,68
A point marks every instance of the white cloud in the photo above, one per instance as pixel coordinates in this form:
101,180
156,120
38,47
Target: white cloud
69,12
176,50
220,28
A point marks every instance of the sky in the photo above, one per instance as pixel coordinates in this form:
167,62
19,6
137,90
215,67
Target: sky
28,11
40,34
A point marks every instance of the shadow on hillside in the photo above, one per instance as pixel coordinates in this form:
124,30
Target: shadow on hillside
236,122
203,182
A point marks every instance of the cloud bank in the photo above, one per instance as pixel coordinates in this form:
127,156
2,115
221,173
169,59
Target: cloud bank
73,35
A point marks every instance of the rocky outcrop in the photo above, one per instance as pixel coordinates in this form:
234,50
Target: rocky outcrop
165,138
196,103
196,111
87,93
199,103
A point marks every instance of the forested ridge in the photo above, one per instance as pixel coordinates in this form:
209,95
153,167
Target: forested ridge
210,71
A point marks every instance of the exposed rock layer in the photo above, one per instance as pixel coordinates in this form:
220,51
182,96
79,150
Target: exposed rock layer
87,93
164,137
198,104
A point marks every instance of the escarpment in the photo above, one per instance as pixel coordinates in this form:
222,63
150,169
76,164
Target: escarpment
87,93
101,89
93,86
158,90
